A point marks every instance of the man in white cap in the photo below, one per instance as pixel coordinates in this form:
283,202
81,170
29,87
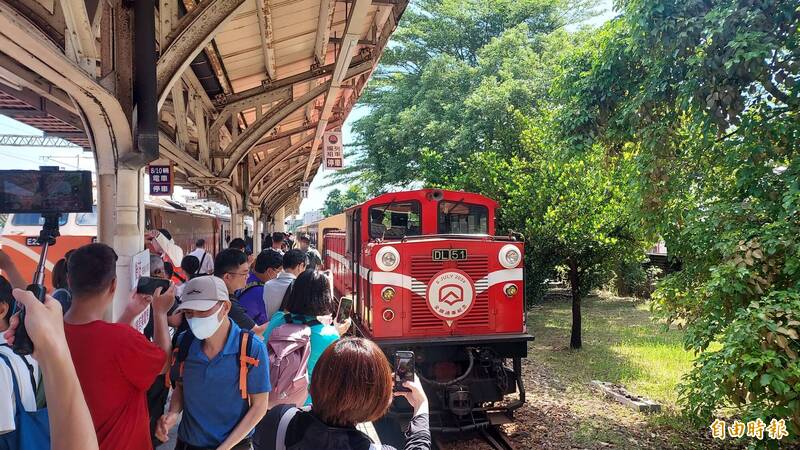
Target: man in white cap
220,410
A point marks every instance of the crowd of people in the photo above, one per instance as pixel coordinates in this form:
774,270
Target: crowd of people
240,351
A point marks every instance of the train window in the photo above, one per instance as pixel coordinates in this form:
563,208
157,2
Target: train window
34,219
87,219
463,218
395,220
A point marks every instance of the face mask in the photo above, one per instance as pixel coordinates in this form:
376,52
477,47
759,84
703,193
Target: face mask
205,327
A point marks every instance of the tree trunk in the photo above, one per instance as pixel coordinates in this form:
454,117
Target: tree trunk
574,281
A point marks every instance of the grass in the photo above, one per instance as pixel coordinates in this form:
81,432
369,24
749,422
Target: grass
621,344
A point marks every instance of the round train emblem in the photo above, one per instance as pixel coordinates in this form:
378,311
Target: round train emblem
450,295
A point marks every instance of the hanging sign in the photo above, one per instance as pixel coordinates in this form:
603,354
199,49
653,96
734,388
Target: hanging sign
332,150
304,190
160,179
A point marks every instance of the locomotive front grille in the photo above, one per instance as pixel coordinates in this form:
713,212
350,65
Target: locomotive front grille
423,269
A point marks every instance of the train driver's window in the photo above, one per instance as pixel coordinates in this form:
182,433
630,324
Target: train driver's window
463,218
395,220
34,220
87,219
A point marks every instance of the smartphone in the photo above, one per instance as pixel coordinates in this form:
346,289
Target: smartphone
46,191
403,369
345,309
148,285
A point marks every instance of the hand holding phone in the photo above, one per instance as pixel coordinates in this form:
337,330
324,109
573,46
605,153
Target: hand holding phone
44,322
148,285
345,309
415,395
23,345
404,370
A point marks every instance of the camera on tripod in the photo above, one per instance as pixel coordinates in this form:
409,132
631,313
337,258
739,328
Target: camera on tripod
49,192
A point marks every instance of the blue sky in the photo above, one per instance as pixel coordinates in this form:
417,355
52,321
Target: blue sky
71,159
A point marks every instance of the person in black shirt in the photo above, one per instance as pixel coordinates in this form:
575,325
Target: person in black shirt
351,384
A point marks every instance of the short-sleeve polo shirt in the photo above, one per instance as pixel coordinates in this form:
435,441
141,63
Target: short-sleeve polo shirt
212,402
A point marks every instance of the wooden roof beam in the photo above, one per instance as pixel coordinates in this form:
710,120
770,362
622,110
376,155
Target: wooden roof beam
264,13
194,32
350,38
326,10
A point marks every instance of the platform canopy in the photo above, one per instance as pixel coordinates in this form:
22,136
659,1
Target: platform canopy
244,88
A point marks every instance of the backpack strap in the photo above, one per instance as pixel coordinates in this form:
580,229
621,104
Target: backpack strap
179,355
31,371
246,359
289,318
249,286
283,425
200,268
17,394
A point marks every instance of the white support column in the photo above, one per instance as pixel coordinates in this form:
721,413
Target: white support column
237,224
257,229
279,219
237,215
121,225
265,224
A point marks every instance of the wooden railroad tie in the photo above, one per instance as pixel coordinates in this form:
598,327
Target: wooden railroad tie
622,395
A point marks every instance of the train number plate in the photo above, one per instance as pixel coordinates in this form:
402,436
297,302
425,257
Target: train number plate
449,254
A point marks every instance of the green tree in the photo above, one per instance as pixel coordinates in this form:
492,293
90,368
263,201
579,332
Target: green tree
337,201
455,82
576,211
456,95
706,96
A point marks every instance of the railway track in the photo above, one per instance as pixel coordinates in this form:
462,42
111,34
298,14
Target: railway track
492,435
496,438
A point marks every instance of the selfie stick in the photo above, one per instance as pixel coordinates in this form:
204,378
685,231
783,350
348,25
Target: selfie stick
47,237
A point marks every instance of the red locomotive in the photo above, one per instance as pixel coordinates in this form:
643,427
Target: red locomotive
426,273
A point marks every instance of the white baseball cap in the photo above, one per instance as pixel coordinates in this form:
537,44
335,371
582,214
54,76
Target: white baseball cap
202,293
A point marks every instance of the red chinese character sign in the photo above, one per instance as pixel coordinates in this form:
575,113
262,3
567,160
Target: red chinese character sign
160,179
332,150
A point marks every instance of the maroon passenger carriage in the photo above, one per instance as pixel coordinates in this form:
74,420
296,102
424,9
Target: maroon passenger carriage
427,273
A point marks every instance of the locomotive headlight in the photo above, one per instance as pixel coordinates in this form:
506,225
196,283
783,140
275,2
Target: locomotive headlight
510,256
510,289
388,293
387,259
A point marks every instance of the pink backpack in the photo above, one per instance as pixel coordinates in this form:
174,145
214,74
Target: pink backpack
289,347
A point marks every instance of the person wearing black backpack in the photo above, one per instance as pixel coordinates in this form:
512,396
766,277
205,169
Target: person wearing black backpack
206,260
352,384
219,373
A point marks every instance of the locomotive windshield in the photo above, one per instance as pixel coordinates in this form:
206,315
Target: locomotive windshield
395,220
87,219
34,219
463,218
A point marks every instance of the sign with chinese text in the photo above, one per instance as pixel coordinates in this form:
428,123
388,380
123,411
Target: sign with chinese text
332,150
160,179
140,267
450,295
304,190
